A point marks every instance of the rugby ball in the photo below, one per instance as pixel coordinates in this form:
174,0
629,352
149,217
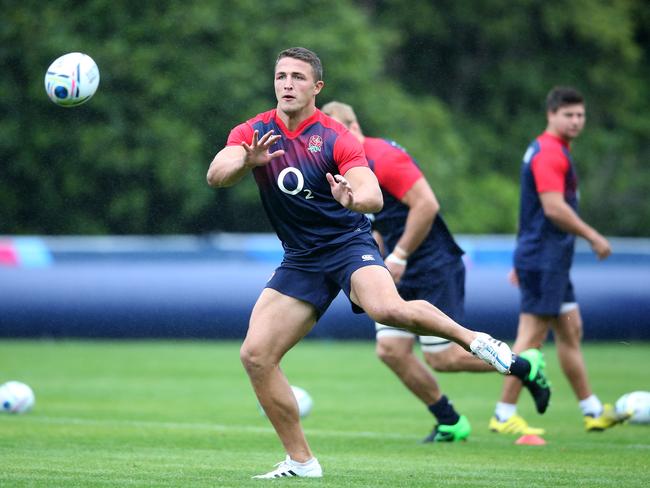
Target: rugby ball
16,397
71,79
304,400
638,404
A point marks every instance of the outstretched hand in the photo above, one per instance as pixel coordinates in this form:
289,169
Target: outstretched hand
341,190
257,153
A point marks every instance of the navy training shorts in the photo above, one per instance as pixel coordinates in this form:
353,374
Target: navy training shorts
317,279
544,292
445,289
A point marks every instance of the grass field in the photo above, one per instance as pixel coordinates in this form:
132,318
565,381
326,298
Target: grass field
182,414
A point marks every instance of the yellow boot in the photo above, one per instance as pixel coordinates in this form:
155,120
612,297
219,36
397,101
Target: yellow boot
609,418
514,425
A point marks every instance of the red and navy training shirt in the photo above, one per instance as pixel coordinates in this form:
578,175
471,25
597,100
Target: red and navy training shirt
397,172
293,187
547,167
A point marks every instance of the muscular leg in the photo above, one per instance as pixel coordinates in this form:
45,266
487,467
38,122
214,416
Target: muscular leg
397,354
532,332
568,335
455,359
372,288
277,323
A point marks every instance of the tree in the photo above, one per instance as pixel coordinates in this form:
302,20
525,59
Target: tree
459,84
492,63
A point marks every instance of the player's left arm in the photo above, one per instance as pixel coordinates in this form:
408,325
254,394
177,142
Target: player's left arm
358,190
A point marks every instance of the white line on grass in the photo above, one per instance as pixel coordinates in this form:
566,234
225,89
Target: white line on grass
213,427
269,430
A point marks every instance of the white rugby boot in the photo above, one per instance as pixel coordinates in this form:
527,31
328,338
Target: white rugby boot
290,468
492,351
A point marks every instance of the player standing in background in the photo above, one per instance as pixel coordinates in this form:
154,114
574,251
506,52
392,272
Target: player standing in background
426,263
548,224
315,186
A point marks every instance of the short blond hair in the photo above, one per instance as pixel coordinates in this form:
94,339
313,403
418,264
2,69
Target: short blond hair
341,111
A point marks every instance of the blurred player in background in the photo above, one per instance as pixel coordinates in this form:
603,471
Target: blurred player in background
548,224
426,263
315,186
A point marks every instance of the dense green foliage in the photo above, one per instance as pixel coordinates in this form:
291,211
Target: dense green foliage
183,414
460,84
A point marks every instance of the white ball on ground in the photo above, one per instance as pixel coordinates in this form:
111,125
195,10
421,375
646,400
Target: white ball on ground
638,404
16,397
305,402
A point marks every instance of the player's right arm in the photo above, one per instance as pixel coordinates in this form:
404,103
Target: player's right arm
549,168
564,217
423,208
399,175
232,163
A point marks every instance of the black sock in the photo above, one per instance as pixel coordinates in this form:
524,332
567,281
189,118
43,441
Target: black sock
444,411
520,368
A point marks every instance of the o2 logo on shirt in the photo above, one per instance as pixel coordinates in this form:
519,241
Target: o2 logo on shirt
300,183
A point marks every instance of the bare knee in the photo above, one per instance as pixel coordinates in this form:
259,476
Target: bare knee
248,356
532,331
393,352
393,313
445,361
569,330
254,358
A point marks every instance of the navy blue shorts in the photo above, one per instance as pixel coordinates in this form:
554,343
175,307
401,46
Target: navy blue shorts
445,289
317,279
544,292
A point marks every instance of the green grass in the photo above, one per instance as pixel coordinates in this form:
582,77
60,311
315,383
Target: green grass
182,414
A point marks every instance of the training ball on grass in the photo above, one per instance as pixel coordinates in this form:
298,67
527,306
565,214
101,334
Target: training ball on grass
16,397
638,404
305,402
72,79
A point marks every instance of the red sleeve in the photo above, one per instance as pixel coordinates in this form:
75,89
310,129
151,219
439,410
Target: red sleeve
396,171
241,133
348,153
549,168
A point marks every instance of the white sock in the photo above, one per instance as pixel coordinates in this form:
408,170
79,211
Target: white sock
591,406
504,411
303,465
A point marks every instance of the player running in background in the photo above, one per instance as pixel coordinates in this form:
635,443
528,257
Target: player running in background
426,263
315,186
548,224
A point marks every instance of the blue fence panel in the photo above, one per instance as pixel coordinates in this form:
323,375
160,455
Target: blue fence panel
205,287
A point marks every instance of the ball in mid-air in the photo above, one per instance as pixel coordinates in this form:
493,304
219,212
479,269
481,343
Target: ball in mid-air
16,397
636,403
72,79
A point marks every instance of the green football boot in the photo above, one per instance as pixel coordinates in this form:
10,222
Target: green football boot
450,433
536,382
